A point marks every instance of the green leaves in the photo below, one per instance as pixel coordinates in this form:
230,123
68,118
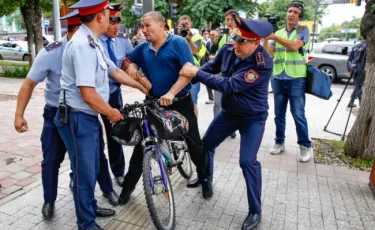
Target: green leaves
373,8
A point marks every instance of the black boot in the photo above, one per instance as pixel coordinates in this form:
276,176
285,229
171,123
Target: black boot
252,221
194,183
125,196
207,190
47,210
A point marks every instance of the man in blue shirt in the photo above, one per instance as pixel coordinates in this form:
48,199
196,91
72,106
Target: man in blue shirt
356,62
161,59
290,88
116,47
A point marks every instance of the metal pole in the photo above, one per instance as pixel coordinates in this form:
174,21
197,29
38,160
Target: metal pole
314,27
56,20
148,5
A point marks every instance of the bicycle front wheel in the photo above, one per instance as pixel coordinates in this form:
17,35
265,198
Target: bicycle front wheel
159,198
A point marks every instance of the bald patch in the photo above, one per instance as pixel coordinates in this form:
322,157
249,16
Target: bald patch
155,15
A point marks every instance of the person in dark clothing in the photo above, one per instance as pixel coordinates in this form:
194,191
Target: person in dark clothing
355,64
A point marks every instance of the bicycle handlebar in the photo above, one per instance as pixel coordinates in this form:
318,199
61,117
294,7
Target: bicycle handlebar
146,102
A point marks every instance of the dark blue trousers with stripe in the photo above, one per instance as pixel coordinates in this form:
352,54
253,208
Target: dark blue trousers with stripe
82,138
251,130
54,151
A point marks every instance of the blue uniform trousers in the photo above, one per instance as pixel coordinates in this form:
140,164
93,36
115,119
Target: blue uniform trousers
82,138
294,92
53,154
115,152
251,130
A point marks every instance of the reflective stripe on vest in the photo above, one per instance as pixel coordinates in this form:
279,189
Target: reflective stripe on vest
290,61
222,41
201,52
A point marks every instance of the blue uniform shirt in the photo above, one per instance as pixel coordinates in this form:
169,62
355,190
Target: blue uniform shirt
121,46
162,68
304,36
47,65
84,64
244,82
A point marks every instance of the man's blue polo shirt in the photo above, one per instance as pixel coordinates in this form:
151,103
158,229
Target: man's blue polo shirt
162,68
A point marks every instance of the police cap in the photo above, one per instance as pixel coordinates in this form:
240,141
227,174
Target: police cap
250,30
115,12
88,7
72,18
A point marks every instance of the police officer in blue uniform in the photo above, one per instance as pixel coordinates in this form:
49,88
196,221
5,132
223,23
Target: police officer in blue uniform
246,70
116,46
356,64
84,94
47,66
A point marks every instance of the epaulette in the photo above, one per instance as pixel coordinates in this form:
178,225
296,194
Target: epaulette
91,41
122,35
259,57
53,45
229,43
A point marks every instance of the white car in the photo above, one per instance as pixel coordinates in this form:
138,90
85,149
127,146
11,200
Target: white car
14,50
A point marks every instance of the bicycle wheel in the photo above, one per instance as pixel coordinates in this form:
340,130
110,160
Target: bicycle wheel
184,167
160,200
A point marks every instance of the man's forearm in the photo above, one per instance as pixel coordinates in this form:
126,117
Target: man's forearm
124,79
24,96
291,45
268,48
95,101
181,82
193,47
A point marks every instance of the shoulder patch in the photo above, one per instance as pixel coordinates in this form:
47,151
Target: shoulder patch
91,41
229,43
251,76
259,56
53,45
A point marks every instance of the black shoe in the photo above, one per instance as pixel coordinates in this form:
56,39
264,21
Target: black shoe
125,196
194,183
252,221
71,185
233,135
112,198
351,104
47,210
104,212
119,180
96,227
207,189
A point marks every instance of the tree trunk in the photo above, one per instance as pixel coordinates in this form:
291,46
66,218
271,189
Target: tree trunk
361,139
26,12
37,25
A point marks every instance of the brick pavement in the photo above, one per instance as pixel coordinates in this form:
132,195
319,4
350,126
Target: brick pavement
294,195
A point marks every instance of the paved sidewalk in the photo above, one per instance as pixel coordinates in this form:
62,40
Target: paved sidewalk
295,195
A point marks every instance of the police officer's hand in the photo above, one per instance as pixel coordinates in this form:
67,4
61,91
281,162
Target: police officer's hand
20,124
167,99
115,115
145,82
189,70
135,75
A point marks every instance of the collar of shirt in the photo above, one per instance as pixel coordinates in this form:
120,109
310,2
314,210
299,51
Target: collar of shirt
295,27
105,38
169,37
89,32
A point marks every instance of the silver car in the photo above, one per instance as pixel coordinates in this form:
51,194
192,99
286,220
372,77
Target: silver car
331,58
14,51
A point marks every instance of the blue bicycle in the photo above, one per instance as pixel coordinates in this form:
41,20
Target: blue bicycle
162,135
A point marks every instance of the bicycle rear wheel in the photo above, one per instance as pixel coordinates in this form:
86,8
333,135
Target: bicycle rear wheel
159,198
185,167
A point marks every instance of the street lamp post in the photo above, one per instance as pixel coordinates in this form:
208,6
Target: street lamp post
314,26
56,20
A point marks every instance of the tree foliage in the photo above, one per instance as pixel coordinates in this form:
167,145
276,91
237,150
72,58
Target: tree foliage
334,31
279,7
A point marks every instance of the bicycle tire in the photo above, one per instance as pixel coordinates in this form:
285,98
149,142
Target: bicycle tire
153,210
187,161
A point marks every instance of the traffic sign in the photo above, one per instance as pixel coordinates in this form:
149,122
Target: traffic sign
46,23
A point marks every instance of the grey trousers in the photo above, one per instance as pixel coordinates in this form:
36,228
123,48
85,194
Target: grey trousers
217,103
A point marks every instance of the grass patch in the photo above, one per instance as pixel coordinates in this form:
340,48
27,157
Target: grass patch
15,71
332,153
8,63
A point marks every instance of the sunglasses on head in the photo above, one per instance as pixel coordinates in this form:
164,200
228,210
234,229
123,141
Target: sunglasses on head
238,39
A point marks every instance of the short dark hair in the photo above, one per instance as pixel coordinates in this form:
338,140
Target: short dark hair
89,18
230,12
71,28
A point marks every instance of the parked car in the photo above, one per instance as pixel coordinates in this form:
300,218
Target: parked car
14,51
331,57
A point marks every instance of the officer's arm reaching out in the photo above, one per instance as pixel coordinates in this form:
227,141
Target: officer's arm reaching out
132,70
